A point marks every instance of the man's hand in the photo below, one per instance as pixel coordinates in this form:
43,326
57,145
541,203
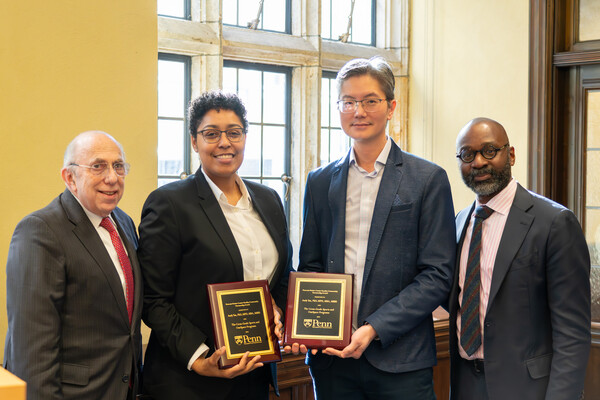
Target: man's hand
209,367
361,338
297,349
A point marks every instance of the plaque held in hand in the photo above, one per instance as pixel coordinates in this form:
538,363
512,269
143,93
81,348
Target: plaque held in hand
242,314
319,310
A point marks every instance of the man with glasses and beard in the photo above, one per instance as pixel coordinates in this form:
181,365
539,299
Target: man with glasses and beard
520,299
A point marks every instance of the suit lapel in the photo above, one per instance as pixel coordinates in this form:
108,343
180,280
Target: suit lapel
90,239
390,182
215,215
337,204
462,223
517,225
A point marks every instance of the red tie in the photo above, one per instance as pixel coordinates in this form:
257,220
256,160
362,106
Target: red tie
124,260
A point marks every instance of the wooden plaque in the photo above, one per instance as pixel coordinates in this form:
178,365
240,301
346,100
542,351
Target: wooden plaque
243,320
319,310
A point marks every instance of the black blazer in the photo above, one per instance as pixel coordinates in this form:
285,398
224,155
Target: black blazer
69,334
185,244
537,325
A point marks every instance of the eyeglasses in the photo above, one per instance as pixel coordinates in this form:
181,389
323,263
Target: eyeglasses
488,152
120,168
350,106
214,135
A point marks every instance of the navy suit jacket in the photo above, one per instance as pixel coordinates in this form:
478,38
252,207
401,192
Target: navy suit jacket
410,254
185,244
537,324
69,335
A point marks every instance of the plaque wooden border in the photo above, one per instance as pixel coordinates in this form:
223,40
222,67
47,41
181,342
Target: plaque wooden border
339,339
216,291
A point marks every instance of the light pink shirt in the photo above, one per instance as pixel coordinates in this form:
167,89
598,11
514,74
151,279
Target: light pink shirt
491,233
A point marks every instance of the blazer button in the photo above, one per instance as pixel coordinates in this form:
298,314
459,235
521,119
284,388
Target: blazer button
125,378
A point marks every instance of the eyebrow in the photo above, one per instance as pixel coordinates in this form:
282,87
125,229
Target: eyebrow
216,127
372,94
101,160
482,146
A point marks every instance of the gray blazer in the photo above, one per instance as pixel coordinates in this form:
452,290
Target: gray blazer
537,325
410,254
69,335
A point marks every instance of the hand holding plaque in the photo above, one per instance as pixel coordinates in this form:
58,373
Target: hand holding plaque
319,310
243,321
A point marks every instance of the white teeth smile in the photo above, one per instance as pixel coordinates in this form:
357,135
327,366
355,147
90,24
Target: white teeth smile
225,156
109,193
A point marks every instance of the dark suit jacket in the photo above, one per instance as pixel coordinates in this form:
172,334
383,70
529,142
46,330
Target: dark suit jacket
537,325
185,244
410,255
68,330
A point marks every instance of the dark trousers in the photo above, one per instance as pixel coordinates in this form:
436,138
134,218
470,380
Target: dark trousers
251,386
350,379
471,381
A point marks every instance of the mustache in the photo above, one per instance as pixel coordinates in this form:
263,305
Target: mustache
482,171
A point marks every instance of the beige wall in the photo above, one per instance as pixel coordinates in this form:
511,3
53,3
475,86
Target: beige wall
469,58
66,67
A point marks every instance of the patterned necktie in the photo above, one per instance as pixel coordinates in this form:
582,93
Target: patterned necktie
124,260
470,333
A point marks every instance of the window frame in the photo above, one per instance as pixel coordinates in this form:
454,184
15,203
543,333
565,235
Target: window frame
329,75
187,10
288,20
187,62
373,25
208,42
288,135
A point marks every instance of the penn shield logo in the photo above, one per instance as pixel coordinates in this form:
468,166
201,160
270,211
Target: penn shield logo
315,323
245,339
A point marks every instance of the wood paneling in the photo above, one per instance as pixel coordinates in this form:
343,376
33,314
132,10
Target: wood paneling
441,372
294,379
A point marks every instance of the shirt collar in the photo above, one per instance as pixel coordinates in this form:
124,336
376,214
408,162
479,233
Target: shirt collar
94,219
244,202
502,202
381,159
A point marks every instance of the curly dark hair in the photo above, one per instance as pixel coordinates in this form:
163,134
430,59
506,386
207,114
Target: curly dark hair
215,100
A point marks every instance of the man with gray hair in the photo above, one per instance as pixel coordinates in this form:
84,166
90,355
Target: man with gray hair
385,216
74,288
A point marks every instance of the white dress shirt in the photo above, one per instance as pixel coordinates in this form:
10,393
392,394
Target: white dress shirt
361,194
108,244
257,248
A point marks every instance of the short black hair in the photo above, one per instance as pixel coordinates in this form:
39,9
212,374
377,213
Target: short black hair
215,100
376,67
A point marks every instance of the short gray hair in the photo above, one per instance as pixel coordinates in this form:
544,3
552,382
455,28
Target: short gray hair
376,67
